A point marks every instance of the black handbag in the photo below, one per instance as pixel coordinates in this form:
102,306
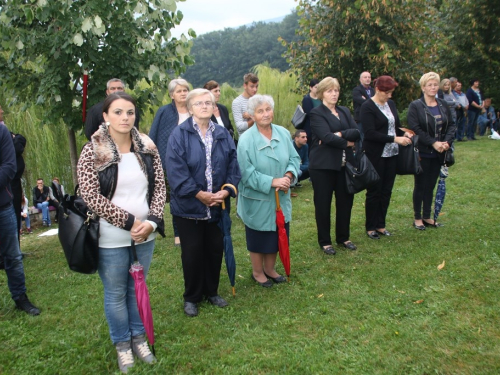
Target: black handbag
298,118
409,159
449,158
79,234
360,173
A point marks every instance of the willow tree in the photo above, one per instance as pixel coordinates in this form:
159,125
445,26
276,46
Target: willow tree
48,45
342,38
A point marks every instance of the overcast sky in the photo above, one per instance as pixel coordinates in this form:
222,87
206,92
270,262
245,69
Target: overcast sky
204,16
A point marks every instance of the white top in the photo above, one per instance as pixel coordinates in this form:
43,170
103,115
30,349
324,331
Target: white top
219,121
183,117
131,195
240,105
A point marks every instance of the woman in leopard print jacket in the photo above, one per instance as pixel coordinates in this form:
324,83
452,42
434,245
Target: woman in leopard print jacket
121,180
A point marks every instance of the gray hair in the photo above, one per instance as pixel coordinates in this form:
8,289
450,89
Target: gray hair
177,82
453,79
257,100
196,93
114,80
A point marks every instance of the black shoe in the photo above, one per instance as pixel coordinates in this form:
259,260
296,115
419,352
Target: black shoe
373,235
298,184
278,280
266,284
329,250
435,224
384,233
217,301
348,245
190,309
419,227
23,303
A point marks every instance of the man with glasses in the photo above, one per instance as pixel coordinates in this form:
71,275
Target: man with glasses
94,115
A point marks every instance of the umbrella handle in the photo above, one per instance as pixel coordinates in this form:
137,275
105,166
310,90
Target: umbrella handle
232,187
276,194
134,252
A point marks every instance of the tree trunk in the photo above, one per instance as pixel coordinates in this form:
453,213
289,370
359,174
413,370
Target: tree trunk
73,155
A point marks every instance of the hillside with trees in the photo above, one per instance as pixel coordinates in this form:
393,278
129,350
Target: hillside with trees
227,55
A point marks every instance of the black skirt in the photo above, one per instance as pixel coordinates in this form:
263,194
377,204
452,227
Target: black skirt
264,242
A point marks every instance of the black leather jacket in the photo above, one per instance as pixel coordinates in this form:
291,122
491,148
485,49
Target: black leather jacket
423,123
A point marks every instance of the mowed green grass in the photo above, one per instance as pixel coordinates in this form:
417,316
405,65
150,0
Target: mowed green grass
383,309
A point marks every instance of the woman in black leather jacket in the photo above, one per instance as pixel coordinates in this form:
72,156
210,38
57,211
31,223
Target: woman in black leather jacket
430,118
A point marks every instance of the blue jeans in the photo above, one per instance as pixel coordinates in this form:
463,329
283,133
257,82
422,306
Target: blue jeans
11,253
460,126
44,207
471,124
120,304
26,220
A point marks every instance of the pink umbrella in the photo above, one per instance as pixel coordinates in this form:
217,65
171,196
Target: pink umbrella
142,296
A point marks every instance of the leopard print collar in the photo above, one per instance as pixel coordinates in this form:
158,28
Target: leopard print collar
105,150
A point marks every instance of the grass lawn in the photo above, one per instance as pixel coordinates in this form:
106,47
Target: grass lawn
383,309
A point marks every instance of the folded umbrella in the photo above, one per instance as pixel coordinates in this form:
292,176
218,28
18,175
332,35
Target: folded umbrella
142,296
440,192
225,226
283,245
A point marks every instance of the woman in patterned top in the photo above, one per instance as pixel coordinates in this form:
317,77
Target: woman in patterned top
121,180
380,120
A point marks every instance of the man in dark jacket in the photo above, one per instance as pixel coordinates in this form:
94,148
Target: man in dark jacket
94,115
476,107
361,94
42,199
9,245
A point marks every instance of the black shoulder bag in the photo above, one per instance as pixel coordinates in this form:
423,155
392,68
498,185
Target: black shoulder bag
79,234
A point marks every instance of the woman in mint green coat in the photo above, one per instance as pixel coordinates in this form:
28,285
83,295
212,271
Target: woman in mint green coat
268,163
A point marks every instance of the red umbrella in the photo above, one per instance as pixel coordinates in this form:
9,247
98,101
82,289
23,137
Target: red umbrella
142,296
283,245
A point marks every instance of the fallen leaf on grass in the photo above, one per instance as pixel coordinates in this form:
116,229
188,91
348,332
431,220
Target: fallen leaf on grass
442,213
320,296
419,301
307,200
240,276
401,291
441,266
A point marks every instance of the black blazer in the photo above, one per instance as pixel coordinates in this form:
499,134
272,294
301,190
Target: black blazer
357,99
224,115
328,154
376,127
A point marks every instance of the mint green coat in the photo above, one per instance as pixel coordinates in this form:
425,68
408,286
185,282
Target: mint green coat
259,164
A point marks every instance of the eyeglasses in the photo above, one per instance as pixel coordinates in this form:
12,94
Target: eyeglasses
201,104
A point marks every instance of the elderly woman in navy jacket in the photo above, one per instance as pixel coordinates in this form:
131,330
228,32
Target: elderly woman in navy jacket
380,120
201,157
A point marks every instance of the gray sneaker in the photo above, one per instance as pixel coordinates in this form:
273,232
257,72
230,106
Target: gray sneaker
125,356
141,350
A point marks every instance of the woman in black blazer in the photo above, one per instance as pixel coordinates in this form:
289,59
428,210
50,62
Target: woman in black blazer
380,120
333,135
221,114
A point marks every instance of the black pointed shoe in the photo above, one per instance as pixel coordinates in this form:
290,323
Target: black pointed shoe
348,245
384,232
266,284
373,235
419,227
277,280
23,303
329,250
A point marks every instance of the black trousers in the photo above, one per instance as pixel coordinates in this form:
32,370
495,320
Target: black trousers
423,190
378,197
202,250
325,182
